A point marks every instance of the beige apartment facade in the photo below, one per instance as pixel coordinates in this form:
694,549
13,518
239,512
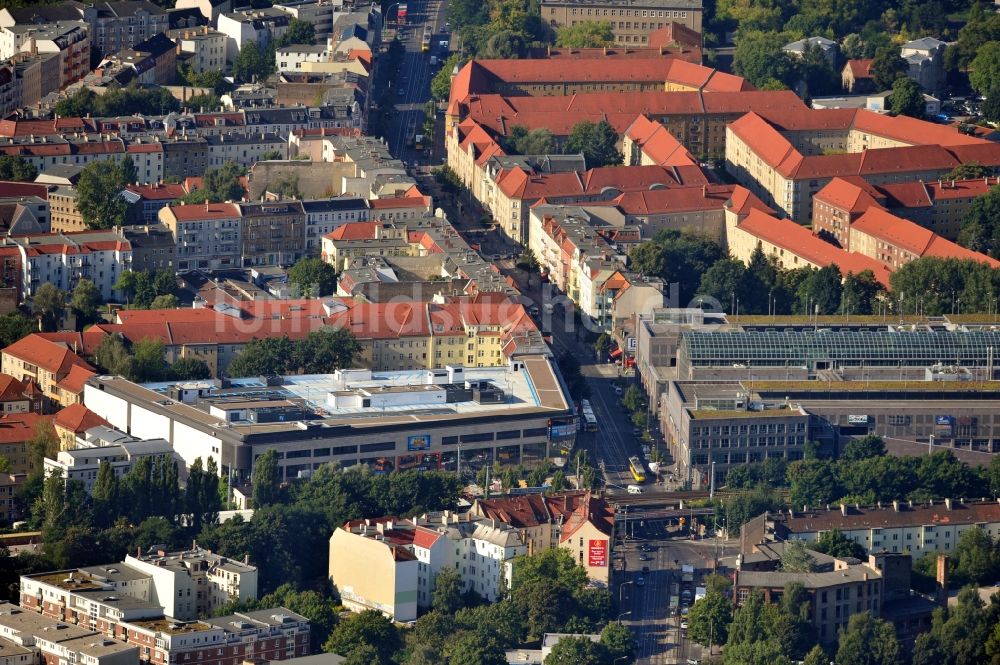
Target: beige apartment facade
631,22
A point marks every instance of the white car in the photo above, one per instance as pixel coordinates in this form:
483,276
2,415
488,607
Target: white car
684,625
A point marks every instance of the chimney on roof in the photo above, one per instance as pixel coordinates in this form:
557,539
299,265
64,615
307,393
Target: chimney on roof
947,504
895,505
843,509
942,580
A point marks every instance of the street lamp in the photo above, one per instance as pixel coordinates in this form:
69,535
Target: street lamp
621,588
620,618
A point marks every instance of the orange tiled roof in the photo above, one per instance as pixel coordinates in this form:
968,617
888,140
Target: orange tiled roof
78,418
861,69
850,193
913,238
75,380
54,357
20,427
11,390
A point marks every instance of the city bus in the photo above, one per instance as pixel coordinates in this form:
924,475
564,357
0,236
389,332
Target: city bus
589,420
425,44
637,468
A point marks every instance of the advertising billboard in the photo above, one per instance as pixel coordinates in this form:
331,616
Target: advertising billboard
557,432
597,553
401,13
418,442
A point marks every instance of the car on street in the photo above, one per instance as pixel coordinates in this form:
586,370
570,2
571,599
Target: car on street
645,569
646,547
640,581
643,557
684,610
684,625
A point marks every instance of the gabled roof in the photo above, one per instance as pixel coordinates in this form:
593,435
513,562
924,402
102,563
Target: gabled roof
78,418
799,241
75,380
11,390
54,357
658,144
914,238
861,69
850,193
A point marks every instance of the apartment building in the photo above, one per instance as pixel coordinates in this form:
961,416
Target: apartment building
573,249
575,520
201,49
152,61
147,157
185,156
207,236
251,26
390,565
325,215
272,233
38,75
153,247
64,259
19,396
895,241
786,158
631,22
381,419
72,422
26,637
899,527
938,205
183,585
16,430
648,143
46,362
83,464
321,14
70,40
153,197
836,590
244,149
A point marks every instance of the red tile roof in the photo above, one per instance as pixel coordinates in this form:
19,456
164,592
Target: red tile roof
10,188
78,418
354,231
54,357
799,241
675,33
658,144
913,238
198,211
20,427
861,69
75,380
850,193
11,390
674,199
158,191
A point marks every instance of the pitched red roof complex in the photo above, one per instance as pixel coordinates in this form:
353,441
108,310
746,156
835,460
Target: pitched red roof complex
19,427
78,418
799,241
54,357
913,238
658,144
12,390
861,69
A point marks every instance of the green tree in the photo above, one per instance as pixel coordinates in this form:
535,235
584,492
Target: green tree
85,300
981,224
816,656
313,277
976,558
968,171
863,448
298,32
222,184
270,155
190,369
252,63
795,558
859,292
522,141
556,565
270,356
907,98
602,345
166,301
113,356
888,66
44,443
15,325
759,58
577,651
619,640
148,361
836,544
813,483
365,629
14,167
868,641
104,495
441,83
324,350
447,596
709,618
475,648
48,305
984,74
597,142
634,399
820,291
266,479
585,34
99,189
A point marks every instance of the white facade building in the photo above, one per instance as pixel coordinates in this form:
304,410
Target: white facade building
63,259
82,464
206,46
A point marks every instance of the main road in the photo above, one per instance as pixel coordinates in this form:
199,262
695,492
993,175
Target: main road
412,86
